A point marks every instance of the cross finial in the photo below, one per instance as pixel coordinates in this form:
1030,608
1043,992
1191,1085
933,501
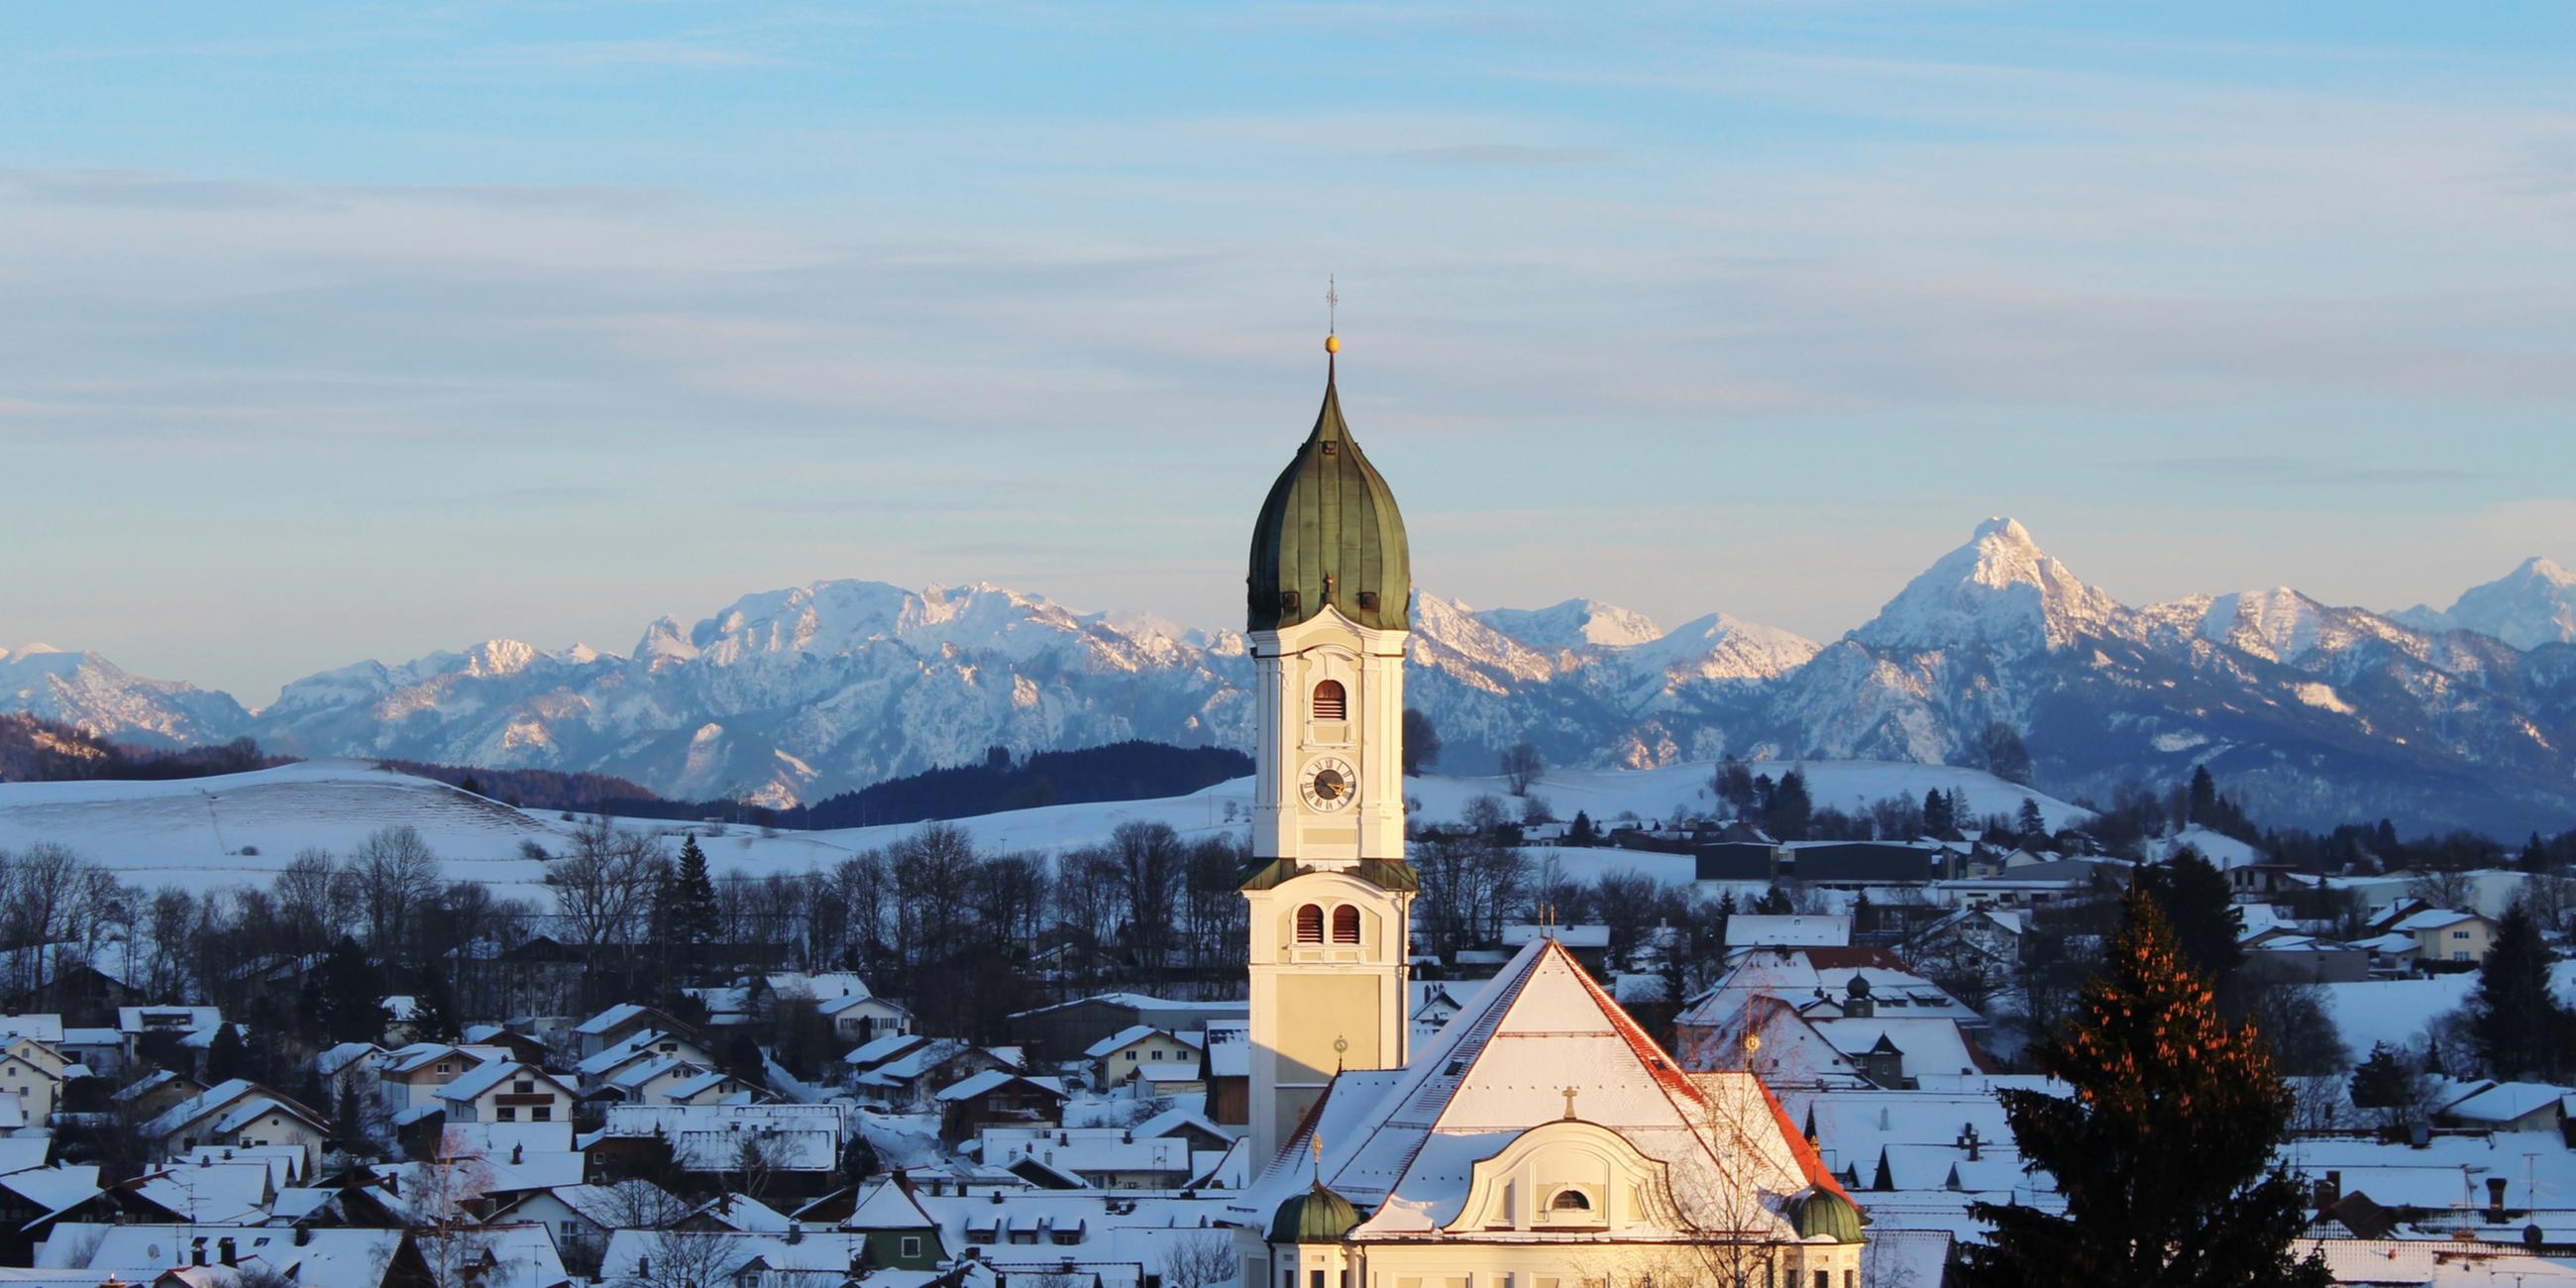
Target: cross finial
1332,306
1569,1102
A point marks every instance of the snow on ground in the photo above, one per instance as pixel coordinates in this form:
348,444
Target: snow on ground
2395,1011
2221,850
236,829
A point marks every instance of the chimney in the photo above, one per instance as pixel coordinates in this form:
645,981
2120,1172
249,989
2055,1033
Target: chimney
2495,1199
224,1250
303,1235
518,1154
795,1233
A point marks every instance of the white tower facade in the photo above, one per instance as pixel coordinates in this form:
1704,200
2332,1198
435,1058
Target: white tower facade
1331,896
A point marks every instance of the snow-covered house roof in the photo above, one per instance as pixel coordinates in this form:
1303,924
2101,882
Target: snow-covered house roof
976,1084
486,1076
1762,930
879,1050
167,1019
1540,1040
332,1060
888,1206
2433,919
2502,1102
1229,1049
609,1020
47,1028
326,1255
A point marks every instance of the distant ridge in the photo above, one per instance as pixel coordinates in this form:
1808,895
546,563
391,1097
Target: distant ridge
2462,718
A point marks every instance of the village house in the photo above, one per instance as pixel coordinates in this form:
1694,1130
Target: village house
1130,1053
237,1112
506,1091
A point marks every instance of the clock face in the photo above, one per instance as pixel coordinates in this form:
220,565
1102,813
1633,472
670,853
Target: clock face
1330,784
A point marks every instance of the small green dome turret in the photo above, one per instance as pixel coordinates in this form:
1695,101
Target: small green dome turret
1316,1216
1329,533
1823,1213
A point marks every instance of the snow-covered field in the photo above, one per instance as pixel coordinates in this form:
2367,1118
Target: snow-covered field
241,828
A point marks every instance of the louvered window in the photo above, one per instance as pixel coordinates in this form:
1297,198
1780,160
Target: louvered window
1346,925
1330,702
1310,924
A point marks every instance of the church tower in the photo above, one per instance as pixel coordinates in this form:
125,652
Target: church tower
1331,894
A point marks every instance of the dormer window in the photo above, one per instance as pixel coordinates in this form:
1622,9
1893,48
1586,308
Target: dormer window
1569,1200
1310,924
1346,925
1331,702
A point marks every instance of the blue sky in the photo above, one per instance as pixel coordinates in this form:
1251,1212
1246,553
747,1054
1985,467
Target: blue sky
343,332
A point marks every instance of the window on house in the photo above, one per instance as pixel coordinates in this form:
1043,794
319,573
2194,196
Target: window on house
2459,934
524,1086
542,1114
1824,1280
912,1245
1346,925
1314,1279
1331,703
1569,1201
1310,924
507,1114
442,1066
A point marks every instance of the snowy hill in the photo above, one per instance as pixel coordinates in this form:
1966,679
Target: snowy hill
2318,713
236,829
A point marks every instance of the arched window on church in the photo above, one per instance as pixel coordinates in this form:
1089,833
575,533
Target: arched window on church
1569,1201
1310,924
1331,703
1346,925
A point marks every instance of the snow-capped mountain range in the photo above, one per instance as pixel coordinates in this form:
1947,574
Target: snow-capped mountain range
2465,717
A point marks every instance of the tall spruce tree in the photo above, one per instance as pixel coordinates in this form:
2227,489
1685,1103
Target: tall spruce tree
2201,910
2204,797
693,898
344,998
2521,1030
1937,818
2163,1152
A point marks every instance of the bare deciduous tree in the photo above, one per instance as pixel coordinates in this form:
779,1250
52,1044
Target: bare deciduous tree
396,874
1523,767
604,888
1199,1261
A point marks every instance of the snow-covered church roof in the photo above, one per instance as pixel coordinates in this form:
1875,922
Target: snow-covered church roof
1405,1142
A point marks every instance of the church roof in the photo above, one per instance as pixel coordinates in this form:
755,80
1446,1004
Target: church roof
1406,1142
1329,533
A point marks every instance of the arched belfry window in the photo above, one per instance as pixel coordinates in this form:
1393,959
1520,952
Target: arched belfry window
1346,925
1569,1201
1310,924
1331,703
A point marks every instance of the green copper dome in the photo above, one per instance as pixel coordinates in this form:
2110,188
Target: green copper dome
1330,534
1316,1216
1830,1215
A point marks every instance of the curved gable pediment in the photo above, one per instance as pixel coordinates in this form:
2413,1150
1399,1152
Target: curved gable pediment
1568,1175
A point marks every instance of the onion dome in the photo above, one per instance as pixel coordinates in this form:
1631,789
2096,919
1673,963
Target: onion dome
1316,1216
1825,1214
1329,534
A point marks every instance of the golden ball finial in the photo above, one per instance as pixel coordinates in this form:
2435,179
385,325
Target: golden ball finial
1332,344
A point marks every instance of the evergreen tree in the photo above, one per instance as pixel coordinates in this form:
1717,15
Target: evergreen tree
2521,1030
2163,1152
859,1159
693,898
433,1010
2534,856
225,1058
345,996
1791,809
2033,823
1938,818
1581,832
2201,910
2384,1081
2204,797
1774,903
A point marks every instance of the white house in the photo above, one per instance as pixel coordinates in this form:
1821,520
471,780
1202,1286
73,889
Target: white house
505,1091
